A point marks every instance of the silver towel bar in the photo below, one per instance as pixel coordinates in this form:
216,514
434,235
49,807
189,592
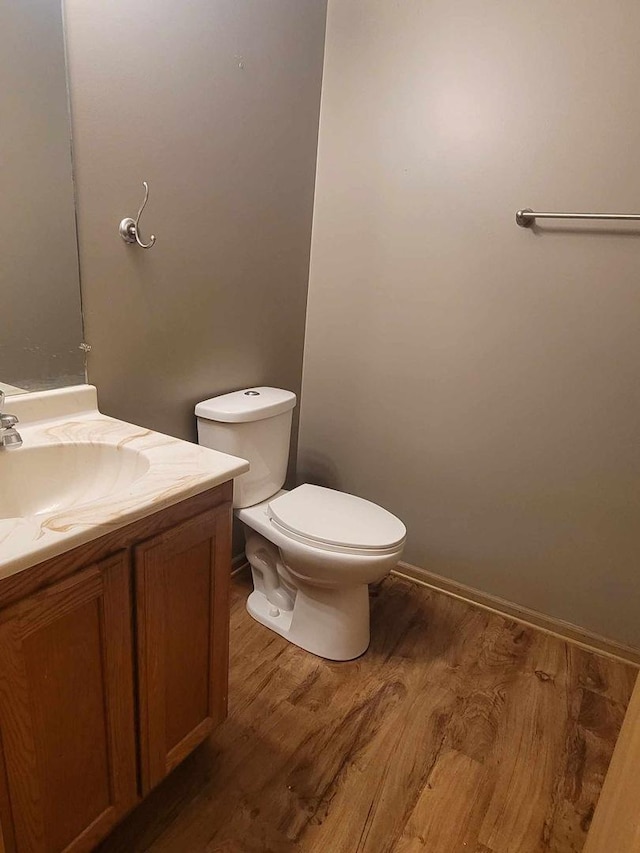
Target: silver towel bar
526,217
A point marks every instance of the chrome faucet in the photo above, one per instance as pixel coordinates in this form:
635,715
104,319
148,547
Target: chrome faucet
9,435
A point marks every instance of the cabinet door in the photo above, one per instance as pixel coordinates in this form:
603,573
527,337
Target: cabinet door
182,605
68,768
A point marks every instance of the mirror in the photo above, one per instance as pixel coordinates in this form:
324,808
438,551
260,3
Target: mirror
40,310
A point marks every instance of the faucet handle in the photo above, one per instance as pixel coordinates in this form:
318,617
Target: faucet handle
11,438
1,400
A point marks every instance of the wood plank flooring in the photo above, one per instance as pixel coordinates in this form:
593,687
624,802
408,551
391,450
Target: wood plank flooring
457,731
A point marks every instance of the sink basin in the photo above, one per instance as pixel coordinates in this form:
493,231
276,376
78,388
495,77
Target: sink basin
81,474
53,477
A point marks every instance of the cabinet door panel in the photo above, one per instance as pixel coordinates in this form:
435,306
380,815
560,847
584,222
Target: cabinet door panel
66,711
182,601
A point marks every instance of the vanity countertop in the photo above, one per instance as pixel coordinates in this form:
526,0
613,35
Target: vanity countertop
11,389
167,471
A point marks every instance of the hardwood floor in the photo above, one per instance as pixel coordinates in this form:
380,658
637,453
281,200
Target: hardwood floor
457,731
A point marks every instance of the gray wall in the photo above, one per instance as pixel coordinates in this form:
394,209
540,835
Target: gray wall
216,105
481,380
40,319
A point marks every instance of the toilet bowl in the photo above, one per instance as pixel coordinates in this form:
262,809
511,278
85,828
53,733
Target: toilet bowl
310,588
312,550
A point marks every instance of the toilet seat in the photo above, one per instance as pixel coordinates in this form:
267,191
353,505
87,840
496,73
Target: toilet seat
335,521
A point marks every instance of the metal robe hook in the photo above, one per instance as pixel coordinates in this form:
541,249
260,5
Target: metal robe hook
130,228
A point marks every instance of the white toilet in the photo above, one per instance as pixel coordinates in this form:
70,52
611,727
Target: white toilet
312,550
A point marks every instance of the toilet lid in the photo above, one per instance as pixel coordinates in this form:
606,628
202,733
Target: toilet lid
335,518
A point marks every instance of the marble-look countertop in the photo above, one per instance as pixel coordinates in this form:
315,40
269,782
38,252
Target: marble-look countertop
173,470
11,389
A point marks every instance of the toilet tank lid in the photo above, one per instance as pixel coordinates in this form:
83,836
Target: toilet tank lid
249,404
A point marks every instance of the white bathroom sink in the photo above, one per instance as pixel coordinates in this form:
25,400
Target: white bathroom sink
80,474
53,477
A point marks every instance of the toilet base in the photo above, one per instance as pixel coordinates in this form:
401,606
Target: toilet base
330,623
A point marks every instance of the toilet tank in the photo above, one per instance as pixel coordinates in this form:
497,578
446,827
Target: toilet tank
255,424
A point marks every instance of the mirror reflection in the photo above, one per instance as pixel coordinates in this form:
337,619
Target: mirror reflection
40,312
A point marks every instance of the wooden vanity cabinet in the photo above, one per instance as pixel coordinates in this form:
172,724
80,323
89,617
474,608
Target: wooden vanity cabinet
66,710
182,608
113,668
